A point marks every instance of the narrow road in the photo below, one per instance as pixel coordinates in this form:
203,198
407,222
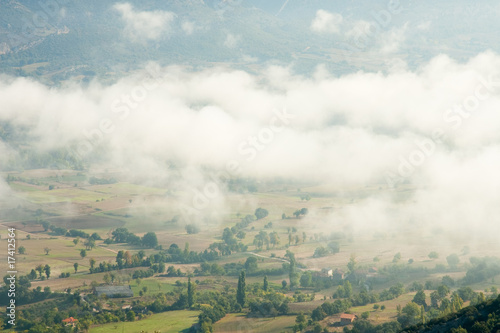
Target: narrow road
260,255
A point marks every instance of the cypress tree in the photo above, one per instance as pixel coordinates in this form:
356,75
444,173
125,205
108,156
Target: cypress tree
240,293
190,293
266,283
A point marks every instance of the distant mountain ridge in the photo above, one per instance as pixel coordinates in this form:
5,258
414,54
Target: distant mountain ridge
61,39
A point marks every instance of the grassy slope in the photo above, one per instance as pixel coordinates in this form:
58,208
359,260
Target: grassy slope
239,323
166,322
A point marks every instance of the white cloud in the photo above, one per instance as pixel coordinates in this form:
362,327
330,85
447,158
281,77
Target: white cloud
392,40
231,41
326,22
361,35
424,26
359,29
144,25
348,131
188,27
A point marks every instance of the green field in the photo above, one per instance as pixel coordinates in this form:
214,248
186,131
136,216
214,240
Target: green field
166,322
154,286
239,323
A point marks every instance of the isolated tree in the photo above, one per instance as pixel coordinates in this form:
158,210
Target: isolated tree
251,264
89,244
397,257
347,288
351,265
190,293
92,263
307,197
228,236
141,254
410,314
334,247
47,250
130,315
75,265
293,275
435,298
304,237
83,253
260,213
241,293
76,240
301,322
306,279
128,257
45,225
192,228
261,239
289,239
274,238
47,271
443,291
297,239
433,255
420,298
95,236
39,269
320,251
266,284
150,240
32,274
283,284
22,250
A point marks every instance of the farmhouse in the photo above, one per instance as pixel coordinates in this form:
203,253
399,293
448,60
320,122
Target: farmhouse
70,321
327,272
346,318
336,274
114,291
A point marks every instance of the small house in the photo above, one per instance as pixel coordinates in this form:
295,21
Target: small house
70,321
338,275
327,272
347,318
